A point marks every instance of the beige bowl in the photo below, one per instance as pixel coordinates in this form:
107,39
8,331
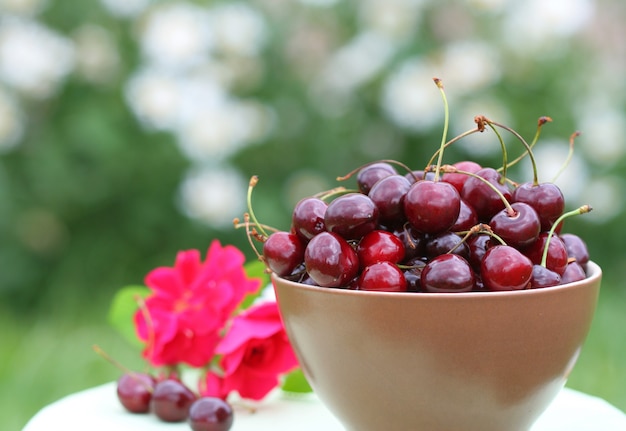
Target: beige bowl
490,361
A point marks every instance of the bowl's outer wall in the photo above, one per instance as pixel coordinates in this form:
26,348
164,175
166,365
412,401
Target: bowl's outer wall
488,361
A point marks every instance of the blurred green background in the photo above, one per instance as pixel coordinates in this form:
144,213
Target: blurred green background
129,129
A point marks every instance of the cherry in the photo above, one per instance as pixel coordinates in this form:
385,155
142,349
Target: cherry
330,260
485,201
518,228
556,259
446,242
447,273
380,245
171,400
505,268
467,218
134,390
413,274
478,246
543,277
351,215
382,277
370,174
432,206
576,248
414,242
210,414
458,180
308,218
388,195
546,198
283,252
573,272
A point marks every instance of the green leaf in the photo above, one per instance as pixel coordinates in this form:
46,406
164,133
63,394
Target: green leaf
123,308
296,382
255,269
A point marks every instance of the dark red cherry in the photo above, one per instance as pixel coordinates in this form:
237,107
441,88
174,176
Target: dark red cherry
446,242
330,260
478,246
351,216
283,252
171,400
485,201
576,248
557,253
388,195
414,241
447,273
458,180
432,207
543,277
210,414
467,218
134,390
370,174
519,228
546,198
505,268
308,218
573,272
378,246
382,277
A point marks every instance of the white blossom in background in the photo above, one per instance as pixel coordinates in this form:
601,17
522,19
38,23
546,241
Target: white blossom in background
97,58
489,5
154,97
602,138
319,3
26,8
469,66
125,8
214,195
33,58
11,121
396,19
605,195
536,25
176,36
238,29
410,98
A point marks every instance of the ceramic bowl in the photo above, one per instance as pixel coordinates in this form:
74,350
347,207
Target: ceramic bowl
475,361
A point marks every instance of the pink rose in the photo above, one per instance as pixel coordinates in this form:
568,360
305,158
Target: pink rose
255,353
190,305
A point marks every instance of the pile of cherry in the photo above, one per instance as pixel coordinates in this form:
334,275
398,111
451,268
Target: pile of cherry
172,401
447,228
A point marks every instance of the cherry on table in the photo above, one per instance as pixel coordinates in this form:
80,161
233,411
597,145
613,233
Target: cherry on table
134,391
210,414
171,400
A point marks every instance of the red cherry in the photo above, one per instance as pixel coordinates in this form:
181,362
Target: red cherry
378,246
171,400
447,273
388,195
351,216
458,180
370,174
432,207
485,201
308,218
134,390
210,414
519,229
382,277
505,268
330,260
543,277
546,198
557,253
283,252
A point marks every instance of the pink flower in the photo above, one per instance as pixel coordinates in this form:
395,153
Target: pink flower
190,305
256,352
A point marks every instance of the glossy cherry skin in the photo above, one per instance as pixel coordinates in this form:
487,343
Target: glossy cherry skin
307,219
458,180
543,277
478,246
378,246
283,252
573,272
134,391
557,253
446,242
485,201
382,277
211,414
432,207
447,273
171,400
414,241
546,198
330,260
576,248
467,218
351,216
370,174
505,268
388,195
518,229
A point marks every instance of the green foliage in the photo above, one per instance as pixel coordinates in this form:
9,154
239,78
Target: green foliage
124,306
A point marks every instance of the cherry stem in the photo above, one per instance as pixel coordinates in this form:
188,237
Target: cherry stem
253,182
480,228
505,155
453,170
526,145
446,121
570,154
133,374
337,191
580,210
452,141
542,120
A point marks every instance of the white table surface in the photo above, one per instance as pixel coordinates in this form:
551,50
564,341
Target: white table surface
98,409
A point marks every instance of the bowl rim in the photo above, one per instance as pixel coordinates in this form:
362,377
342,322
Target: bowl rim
594,272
